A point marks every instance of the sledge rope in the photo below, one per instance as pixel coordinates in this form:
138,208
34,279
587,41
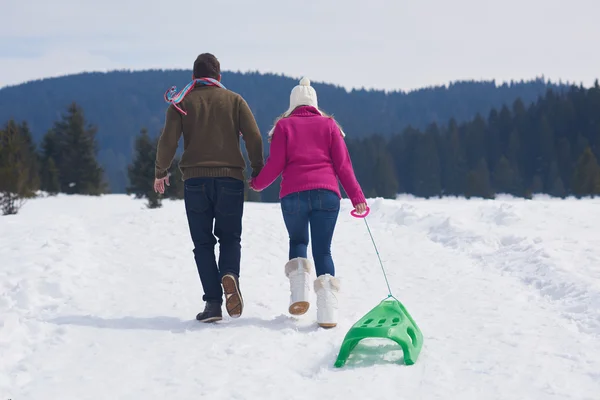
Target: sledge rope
174,98
380,262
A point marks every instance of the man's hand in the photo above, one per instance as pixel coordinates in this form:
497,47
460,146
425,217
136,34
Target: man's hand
159,184
361,208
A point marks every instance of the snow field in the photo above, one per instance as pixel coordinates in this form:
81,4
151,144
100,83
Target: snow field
98,298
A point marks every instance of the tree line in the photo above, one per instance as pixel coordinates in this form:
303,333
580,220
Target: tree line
551,146
120,103
63,162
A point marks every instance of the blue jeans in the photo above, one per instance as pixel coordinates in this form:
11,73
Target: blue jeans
219,201
318,208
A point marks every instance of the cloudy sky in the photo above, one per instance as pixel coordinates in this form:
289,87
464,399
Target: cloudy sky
393,44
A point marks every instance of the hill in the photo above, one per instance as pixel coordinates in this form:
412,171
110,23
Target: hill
120,103
101,305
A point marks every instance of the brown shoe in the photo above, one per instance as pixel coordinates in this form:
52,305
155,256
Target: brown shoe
234,303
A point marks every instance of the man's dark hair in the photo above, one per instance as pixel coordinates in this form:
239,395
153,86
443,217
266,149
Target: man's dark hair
207,66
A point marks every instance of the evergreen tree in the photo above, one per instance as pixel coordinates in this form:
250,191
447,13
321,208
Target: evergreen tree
493,141
504,126
426,171
454,170
385,181
49,174
565,162
401,148
18,176
504,177
475,141
79,171
537,186
374,167
514,153
558,188
141,170
31,154
545,149
554,185
50,177
586,180
478,181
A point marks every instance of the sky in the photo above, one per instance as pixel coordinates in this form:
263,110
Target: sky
389,45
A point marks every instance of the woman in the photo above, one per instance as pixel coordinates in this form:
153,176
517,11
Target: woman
308,149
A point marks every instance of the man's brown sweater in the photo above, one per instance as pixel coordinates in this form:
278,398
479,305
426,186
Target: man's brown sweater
211,135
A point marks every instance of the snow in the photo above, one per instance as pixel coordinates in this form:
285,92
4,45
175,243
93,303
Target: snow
98,298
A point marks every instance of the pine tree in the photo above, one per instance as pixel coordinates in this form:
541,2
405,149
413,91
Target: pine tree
51,178
30,153
17,175
401,148
384,176
558,188
374,167
514,154
504,128
586,180
141,170
454,167
49,174
565,162
545,148
478,181
493,141
504,177
79,171
475,141
537,185
427,173
554,185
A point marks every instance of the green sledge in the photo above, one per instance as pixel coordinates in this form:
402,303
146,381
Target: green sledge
388,320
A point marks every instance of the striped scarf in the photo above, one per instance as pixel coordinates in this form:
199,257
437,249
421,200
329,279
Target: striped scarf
174,98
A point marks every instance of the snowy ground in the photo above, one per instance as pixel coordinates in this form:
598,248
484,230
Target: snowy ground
98,298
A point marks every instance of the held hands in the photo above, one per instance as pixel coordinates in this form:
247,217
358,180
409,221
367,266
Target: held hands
251,186
159,184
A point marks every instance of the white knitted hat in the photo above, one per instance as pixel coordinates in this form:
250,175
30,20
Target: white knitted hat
303,95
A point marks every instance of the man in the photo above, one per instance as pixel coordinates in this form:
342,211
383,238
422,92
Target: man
211,118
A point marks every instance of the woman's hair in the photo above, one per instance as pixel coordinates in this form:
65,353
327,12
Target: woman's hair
288,113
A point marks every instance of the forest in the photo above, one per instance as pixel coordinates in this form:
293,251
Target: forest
119,104
550,146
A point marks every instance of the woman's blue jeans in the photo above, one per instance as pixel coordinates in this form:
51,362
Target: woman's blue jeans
318,209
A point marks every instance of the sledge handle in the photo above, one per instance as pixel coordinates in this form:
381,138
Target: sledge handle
357,215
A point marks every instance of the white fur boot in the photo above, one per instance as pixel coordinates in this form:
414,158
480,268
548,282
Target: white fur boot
327,287
298,271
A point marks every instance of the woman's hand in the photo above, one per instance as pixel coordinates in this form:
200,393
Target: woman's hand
361,208
251,186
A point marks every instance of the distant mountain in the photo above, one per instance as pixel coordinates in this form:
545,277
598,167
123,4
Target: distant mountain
120,103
